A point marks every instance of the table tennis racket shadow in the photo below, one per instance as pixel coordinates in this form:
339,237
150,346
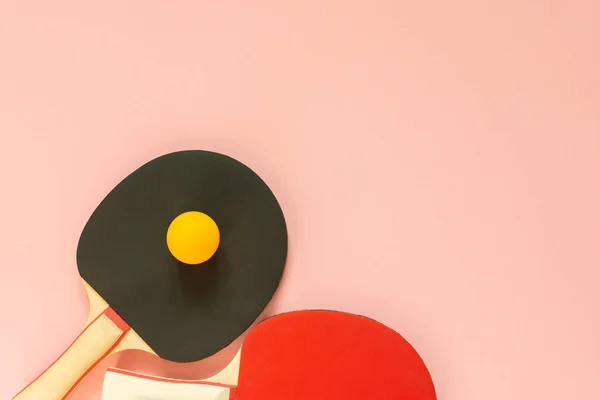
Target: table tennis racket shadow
314,354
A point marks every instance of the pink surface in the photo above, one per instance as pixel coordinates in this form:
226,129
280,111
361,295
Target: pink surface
437,162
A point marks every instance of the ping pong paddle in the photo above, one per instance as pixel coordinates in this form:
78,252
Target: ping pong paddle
314,354
141,297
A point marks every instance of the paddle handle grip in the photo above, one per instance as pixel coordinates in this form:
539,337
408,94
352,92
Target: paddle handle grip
96,341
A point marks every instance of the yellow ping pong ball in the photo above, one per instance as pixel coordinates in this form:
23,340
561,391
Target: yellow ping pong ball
193,237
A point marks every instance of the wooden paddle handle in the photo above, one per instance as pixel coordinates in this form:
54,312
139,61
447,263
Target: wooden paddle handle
98,339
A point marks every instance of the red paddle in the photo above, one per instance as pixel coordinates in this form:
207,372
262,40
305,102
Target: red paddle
317,355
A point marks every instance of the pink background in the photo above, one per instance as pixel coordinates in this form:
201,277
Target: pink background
437,162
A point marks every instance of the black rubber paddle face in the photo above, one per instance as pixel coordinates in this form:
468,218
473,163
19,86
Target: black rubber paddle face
186,312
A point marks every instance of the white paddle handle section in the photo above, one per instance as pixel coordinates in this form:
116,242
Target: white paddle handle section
125,385
102,335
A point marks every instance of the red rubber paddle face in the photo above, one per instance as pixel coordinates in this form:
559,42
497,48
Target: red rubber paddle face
328,355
